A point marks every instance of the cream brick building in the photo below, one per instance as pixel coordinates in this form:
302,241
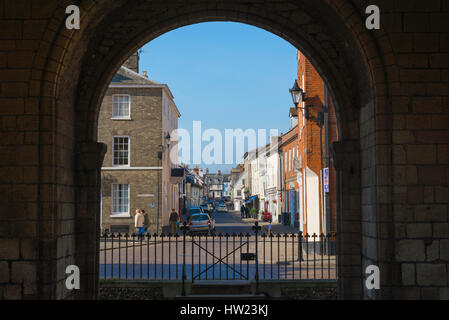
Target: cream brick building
136,122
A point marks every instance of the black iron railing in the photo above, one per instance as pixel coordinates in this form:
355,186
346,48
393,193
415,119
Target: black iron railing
192,257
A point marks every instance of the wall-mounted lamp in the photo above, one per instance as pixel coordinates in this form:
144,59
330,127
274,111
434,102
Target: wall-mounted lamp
298,95
167,137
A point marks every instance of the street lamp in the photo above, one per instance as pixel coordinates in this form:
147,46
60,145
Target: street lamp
299,95
296,93
168,137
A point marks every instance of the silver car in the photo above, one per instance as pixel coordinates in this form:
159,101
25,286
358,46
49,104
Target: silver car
201,222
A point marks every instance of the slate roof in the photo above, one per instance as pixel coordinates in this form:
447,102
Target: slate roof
127,76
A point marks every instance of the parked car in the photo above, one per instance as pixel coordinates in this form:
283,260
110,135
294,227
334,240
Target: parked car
205,207
195,210
191,211
267,216
222,208
201,222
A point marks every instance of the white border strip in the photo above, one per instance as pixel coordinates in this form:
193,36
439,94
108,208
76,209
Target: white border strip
131,168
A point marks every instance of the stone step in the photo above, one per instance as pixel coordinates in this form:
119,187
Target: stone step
221,287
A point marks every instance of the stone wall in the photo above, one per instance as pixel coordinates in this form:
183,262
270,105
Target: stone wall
142,182
144,127
163,290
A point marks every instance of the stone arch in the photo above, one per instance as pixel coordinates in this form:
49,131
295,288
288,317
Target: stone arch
81,64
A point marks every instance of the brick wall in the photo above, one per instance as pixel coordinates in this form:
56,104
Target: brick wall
312,138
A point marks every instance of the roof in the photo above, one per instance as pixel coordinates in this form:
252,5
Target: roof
127,76
293,112
289,136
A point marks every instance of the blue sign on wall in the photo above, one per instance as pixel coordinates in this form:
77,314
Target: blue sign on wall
326,179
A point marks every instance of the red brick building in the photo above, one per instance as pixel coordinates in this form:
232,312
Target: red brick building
308,174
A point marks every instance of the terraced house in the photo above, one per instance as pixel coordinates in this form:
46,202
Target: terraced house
136,121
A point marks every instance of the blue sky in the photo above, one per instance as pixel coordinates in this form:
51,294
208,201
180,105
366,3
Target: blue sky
227,75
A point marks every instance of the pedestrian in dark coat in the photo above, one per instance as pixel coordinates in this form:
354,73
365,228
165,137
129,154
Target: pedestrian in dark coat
246,212
242,211
173,220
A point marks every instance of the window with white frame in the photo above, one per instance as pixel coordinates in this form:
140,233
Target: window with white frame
120,199
120,151
121,106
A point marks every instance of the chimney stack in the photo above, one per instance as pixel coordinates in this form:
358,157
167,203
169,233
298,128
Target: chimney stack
219,172
207,171
133,62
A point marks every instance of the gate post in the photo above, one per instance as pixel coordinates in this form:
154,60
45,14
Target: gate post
184,231
256,229
300,247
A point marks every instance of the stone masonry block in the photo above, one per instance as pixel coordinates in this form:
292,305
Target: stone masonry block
430,213
12,292
433,251
431,274
430,293
444,293
28,249
408,274
4,272
419,230
421,154
23,271
444,250
9,249
410,250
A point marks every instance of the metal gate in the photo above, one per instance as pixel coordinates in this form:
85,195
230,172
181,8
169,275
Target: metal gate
256,256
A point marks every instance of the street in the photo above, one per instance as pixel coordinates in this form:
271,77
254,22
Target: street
230,222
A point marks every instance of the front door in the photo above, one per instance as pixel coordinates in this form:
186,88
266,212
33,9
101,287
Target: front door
291,204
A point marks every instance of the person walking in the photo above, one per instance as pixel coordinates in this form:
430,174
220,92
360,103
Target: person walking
242,211
269,226
146,222
138,223
174,218
246,212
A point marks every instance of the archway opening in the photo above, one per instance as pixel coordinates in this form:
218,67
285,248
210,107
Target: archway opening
278,152
336,50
